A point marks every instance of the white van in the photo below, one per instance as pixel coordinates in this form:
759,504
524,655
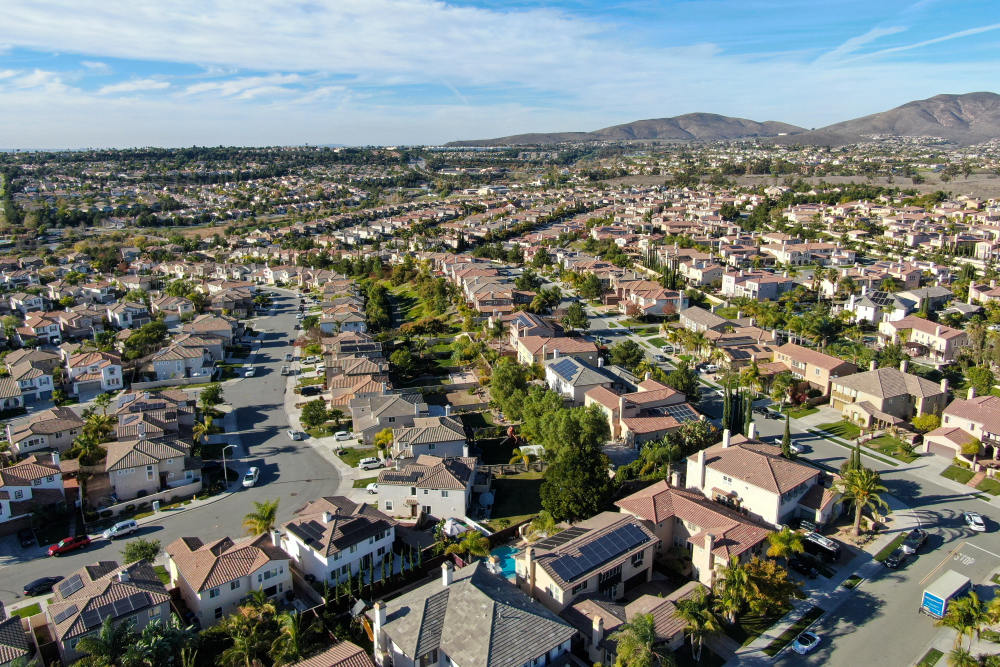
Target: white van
120,529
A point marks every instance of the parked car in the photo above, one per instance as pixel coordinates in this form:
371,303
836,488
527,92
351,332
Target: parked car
41,585
249,371
804,564
288,356
312,390
251,477
896,558
342,435
914,541
659,358
26,537
372,488
296,435
805,642
711,368
284,370
974,520
68,544
120,529
369,463
796,449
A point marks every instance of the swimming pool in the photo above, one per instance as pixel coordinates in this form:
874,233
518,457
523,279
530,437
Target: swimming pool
506,556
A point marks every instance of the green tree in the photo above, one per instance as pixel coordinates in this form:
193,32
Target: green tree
103,401
210,396
109,646
590,287
967,616
926,423
981,378
520,455
636,640
202,429
403,360
314,413
383,440
784,543
774,589
733,589
296,638
261,520
577,484
336,414
786,440
861,487
627,354
576,317
699,621
141,549
473,543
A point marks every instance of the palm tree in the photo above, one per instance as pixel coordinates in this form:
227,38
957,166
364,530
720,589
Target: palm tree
202,429
473,543
261,519
962,657
733,589
293,642
784,543
862,487
544,524
636,640
967,616
103,401
109,646
522,455
699,621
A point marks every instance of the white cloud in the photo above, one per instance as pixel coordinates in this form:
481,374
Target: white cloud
96,66
133,86
245,87
855,43
944,38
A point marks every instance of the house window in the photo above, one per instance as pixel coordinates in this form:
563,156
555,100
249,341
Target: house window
233,585
391,420
18,494
218,612
36,482
50,478
430,446
637,558
580,587
444,494
345,569
149,472
214,593
426,491
354,548
388,505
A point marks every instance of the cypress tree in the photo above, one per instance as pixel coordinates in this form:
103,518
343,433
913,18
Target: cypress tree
786,441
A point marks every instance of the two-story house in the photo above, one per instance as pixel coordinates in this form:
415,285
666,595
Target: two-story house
333,538
215,577
93,373
128,315
434,436
430,485
55,428
143,467
25,303
371,414
964,421
174,308
31,483
572,378
40,327
922,338
887,396
816,368
35,383
539,349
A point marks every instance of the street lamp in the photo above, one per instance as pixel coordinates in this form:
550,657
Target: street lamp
225,471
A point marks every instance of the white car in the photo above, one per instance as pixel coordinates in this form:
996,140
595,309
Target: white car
120,529
249,371
342,435
796,449
372,488
296,435
974,520
251,477
369,463
805,642
711,368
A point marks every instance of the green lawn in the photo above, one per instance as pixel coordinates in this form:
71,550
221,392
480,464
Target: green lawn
889,446
364,481
353,456
793,631
305,382
30,610
990,486
842,429
851,582
889,548
799,413
958,474
930,658
517,497
658,342
728,313
162,574
748,627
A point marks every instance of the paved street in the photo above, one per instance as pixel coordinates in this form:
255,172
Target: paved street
291,471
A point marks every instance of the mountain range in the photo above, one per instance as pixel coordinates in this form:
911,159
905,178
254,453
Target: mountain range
963,119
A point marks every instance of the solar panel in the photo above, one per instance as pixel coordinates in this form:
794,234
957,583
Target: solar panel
594,554
122,607
682,412
70,586
561,538
66,613
564,368
90,619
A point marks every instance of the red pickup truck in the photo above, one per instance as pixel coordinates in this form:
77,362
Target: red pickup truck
68,544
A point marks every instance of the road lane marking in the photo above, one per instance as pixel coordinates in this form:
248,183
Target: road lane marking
945,560
976,546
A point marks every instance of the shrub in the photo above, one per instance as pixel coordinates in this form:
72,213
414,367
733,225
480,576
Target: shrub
107,514
130,508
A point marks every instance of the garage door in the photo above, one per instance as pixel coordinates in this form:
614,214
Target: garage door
941,450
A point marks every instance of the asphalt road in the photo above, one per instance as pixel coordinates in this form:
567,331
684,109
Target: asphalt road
290,471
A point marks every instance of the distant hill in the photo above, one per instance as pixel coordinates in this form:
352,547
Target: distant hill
689,127
963,119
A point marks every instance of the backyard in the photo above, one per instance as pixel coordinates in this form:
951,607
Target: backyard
517,498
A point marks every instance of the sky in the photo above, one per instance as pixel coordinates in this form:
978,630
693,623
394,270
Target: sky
116,73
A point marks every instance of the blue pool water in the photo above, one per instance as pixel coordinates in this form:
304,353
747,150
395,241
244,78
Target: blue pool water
506,555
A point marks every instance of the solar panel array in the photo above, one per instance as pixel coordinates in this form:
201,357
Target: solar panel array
70,586
682,412
560,538
309,531
598,552
564,368
66,613
93,618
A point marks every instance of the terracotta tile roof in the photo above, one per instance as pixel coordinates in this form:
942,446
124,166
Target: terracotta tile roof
22,474
604,396
205,566
432,472
812,357
889,382
983,410
344,654
757,463
14,642
53,420
135,453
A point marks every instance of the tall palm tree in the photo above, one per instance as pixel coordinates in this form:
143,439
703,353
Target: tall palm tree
473,543
784,543
966,615
522,456
261,520
699,621
636,640
109,646
962,657
103,401
734,588
293,642
202,429
862,487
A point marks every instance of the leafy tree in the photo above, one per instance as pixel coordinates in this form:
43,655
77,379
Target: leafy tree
103,401
210,396
774,589
313,349
309,322
967,616
202,430
781,385
733,589
296,638
784,543
261,520
926,423
314,413
577,484
508,378
140,549
861,487
590,287
981,378
627,354
684,380
699,621
576,317
473,543
403,360
383,440
636,640
110,645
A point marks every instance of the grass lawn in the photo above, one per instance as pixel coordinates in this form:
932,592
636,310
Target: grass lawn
889,446
353,456
889,548
958,474
799,413
364,481
162,574
517,497
658,342
990,486
305,382
930,658
793,631
748,627
728,313
477,419
842,429
852,581
30,610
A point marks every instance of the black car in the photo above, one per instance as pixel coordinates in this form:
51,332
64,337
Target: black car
311,390
39,586
26,537
896,558
914,541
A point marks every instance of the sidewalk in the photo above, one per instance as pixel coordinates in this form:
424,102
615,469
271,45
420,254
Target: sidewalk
830,595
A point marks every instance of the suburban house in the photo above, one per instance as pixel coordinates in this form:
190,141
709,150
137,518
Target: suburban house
606,554
82,601
54,428
26,303
756,285
700,320
371,414
128,315
215,577
174,308
143,467
816,368
34,382
922,338
223,326
179,362
10,394
573,378
876,306
471,617
539,349
93,373
887,396
333,538
964,421
16,645
435,436
29,483
41,327
430,485
640,416
755,478
711,532
341,654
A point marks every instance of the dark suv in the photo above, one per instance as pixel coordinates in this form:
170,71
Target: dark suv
914,541
896,558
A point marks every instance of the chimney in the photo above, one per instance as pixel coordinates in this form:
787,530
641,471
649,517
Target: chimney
872,365
709,545
379,609
752,431
124,576
675,479
600,362
529,564
944,384
647,376
726,438
864,290
447,410
597,633
327,517
555,353
972,393
903,365
55,458
937,330
446,574
701,469
276,538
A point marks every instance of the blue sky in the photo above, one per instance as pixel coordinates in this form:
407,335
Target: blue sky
79,73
